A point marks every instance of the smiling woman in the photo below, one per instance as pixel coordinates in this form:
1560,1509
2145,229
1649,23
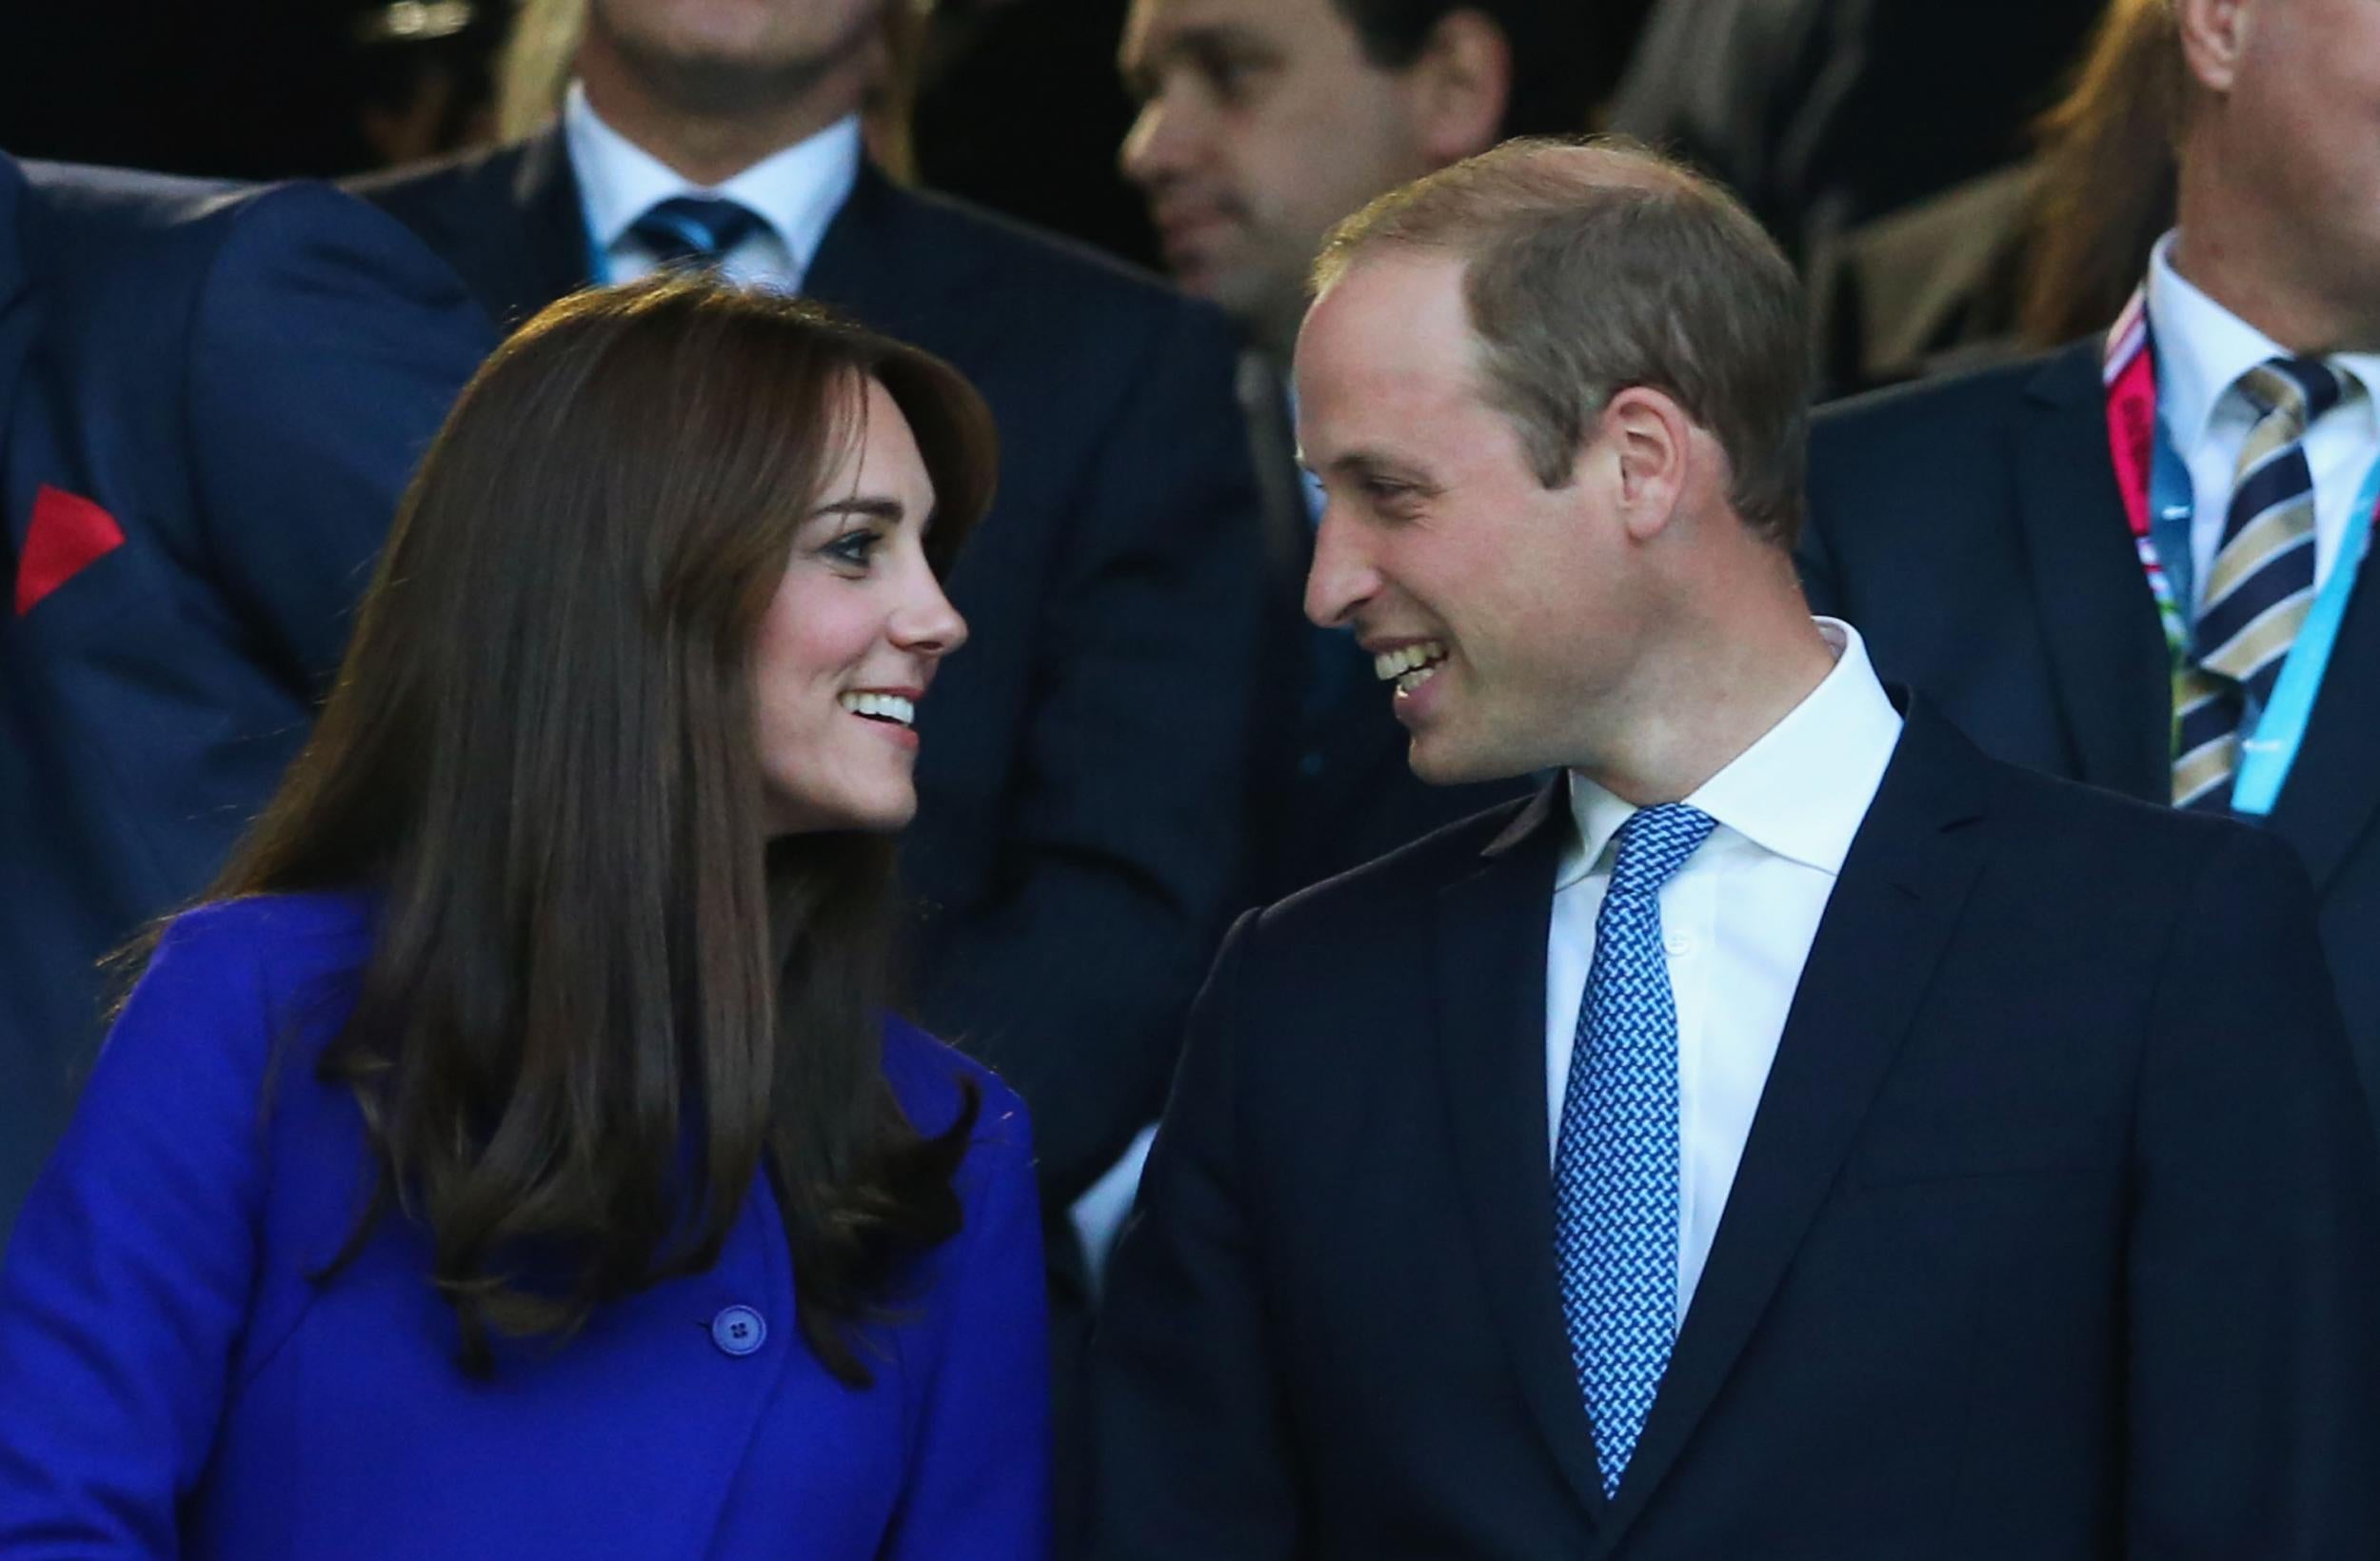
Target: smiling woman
556,973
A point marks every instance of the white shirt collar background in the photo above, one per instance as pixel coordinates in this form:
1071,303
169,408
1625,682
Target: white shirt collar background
796,193
2202,349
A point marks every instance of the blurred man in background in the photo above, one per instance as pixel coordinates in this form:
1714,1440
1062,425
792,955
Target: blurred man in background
209,403
1262,123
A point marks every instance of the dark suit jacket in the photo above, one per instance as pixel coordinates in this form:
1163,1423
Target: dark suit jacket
1973,529
1331,789
210,401
2054,1236
1079,828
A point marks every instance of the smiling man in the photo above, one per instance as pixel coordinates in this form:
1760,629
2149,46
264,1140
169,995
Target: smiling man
1263,123
1790,1134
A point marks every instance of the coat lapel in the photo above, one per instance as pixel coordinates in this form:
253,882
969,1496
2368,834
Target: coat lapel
2107,649
1491,1027
1890,915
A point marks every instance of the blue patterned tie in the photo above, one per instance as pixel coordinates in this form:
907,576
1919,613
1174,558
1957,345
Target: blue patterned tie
2262,583
1615,1158
693,231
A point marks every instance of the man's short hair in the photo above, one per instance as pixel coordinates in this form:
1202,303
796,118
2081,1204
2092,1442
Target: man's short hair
1566,55
1591,266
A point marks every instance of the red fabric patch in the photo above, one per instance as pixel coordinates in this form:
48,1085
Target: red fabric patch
67,534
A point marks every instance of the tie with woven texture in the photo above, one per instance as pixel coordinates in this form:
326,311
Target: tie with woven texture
692,232
2262,582
1616,1155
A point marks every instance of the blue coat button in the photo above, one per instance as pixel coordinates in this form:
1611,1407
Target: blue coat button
738,1330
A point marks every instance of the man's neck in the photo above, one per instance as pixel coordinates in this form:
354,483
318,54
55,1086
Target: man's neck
709,148
2263,270
1718,691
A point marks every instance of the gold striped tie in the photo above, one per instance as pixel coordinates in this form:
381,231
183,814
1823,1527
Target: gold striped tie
2262,583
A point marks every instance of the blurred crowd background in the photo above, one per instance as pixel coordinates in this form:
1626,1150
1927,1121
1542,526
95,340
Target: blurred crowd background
1894,148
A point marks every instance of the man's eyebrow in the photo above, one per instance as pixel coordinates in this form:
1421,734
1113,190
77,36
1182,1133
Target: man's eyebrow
1363,463
1200,40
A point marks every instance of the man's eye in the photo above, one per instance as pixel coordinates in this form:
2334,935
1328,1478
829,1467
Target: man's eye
1229,77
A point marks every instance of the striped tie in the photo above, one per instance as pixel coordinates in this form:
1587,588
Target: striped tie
2262,582
1615,1152
692,232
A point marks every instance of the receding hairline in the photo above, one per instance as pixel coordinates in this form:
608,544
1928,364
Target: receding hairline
1537,172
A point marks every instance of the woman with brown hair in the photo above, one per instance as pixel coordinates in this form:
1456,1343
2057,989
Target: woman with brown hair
512,1156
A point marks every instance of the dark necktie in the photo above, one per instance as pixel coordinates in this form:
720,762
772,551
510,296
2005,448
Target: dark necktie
694,232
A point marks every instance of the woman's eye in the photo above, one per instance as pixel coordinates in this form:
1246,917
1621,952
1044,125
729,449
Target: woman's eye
853,548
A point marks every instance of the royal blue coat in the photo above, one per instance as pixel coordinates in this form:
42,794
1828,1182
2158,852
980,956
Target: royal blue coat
174,1382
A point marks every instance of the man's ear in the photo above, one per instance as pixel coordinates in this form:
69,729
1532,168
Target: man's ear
2215,38
1651,443
1460,86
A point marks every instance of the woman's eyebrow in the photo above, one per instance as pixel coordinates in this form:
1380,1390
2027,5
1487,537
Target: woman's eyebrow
872,507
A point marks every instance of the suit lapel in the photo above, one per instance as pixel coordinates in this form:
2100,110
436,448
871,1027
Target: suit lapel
552,258
2107,650
1886,924
2333,788
885,260
17,304
1491,1027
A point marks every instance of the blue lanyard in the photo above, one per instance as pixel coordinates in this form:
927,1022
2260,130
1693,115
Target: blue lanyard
2266,756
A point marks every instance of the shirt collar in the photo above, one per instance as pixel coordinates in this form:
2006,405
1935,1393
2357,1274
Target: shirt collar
1799,792
796,190
2203,348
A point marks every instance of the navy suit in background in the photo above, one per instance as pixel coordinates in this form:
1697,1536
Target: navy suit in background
209,401
1330,789
2054,1237
1972,527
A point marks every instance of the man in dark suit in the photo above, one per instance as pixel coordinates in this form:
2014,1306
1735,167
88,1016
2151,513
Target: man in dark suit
1263,123
2062,551
210,401
1791,1135
1079,829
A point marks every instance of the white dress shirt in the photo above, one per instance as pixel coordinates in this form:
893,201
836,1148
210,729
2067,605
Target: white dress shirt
795,193
1736,920
2202,350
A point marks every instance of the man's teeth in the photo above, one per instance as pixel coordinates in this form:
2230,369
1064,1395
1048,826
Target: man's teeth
883,706
1409,666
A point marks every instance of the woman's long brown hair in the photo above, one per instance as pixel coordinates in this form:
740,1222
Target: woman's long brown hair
597,1005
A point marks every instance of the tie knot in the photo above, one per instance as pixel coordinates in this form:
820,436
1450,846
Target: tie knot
694,229
2300,390
1654,844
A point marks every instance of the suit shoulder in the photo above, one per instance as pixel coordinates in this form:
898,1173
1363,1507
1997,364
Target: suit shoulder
1055,266
1953,404
421,192
929,1076
1388,883
2089,835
